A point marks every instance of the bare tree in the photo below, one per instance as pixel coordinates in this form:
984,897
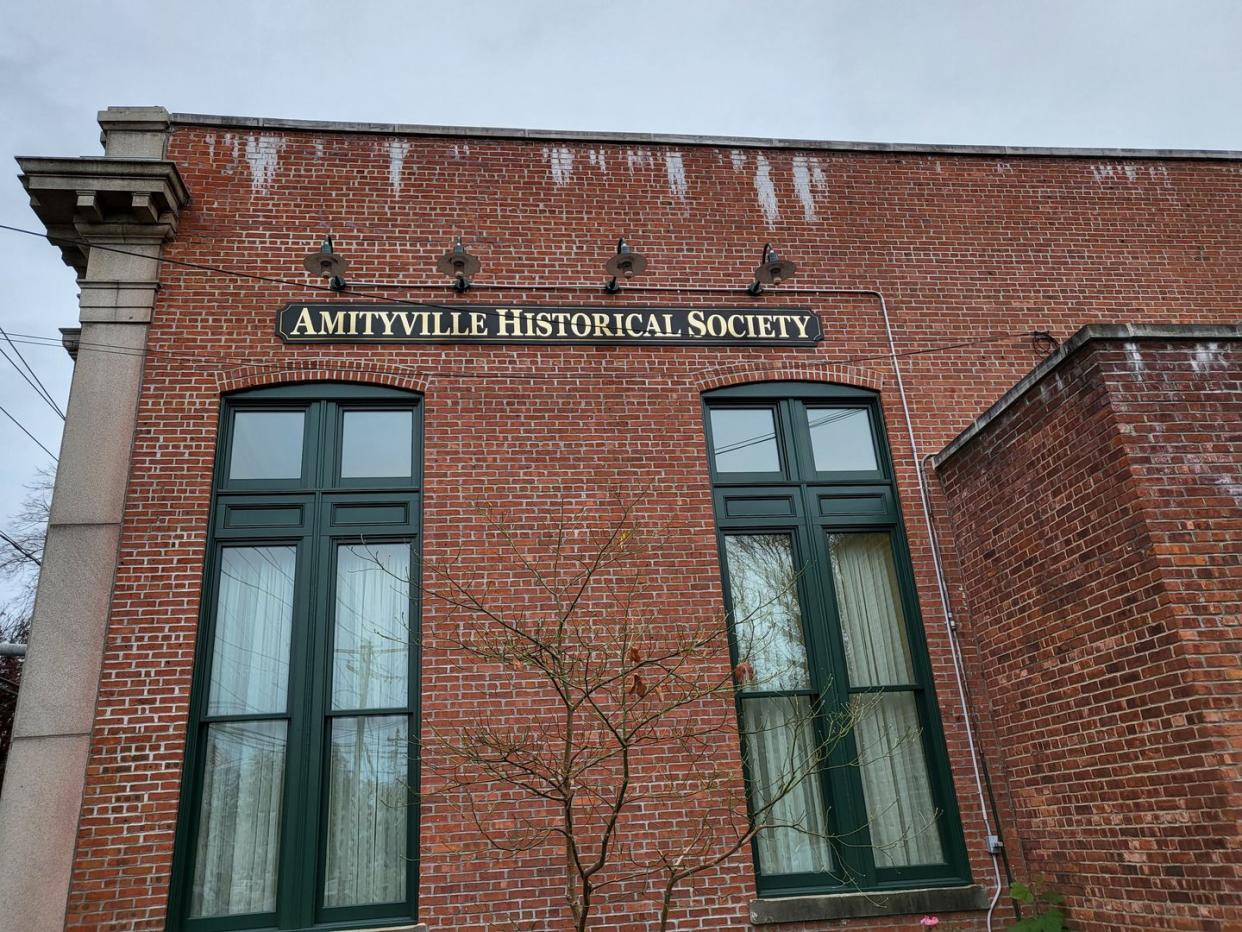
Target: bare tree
628,711
21,554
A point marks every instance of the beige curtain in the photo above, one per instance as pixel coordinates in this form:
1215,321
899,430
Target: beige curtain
900,812
371,640
243,776
368,795
781,754
368,804
254,617
239,825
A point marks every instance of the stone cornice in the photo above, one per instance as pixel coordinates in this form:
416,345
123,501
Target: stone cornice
116,199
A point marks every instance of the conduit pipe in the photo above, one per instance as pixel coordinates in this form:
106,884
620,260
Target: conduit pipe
942,585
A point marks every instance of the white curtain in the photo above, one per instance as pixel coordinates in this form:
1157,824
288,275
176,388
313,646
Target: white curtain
371,643
254,616
368,793
243,774
900,812
873,624
781,752
368,802
239,824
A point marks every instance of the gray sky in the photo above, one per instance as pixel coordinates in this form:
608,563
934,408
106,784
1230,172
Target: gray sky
1109,73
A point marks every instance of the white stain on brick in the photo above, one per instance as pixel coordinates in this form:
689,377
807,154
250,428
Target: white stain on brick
1131,172
639,158
676,171
597,160
1207,356
397,151
738,158
808,179
319,150
262,154
462,151
1136,357
560,162
1102,171
211,147
233,144
766,189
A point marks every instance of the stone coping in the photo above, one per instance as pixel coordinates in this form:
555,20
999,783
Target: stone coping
676,139
1088,334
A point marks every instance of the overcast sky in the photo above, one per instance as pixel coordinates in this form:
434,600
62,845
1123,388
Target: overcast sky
1096,73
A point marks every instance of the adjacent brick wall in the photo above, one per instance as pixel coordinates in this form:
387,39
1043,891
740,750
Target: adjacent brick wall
1099,527
965,249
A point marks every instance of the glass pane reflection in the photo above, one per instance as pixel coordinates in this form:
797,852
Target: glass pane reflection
371,636
377,444
239,820
841,439
267,445
767,619
744,440
367,808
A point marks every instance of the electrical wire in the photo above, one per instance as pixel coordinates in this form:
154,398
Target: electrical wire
37,384
22,428
20,549
198,360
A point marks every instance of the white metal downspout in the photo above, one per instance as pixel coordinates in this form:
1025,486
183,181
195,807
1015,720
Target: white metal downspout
950,627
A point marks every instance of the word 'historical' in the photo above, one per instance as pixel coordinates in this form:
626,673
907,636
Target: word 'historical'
383,323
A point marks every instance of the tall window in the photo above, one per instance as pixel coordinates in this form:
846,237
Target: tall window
298,804
843,750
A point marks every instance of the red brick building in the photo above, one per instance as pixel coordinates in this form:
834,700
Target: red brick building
1038,620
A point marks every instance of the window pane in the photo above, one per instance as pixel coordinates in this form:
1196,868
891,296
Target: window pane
744,440
367,800
767,619
254,612
239,820
873,623
267,445
785,792
900,813
841,439
377,443
371,640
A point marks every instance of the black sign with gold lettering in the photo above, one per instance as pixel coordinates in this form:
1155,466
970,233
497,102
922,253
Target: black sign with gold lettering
399,323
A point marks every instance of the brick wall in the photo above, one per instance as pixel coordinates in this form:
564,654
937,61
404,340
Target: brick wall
964,248
1099,527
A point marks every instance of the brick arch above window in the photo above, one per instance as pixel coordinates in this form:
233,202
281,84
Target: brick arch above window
746,373
321,370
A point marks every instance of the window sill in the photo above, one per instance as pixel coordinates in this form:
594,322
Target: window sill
872,903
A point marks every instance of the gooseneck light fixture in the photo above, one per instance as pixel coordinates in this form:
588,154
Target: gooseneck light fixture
328,264
625,264
772,271
459,265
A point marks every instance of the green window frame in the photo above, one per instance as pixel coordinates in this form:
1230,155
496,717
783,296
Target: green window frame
822,512
310,579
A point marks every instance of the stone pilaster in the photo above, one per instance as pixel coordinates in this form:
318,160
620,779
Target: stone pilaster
128,200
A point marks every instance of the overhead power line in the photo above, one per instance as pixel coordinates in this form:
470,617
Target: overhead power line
199,360
20,549
22,428
32,379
